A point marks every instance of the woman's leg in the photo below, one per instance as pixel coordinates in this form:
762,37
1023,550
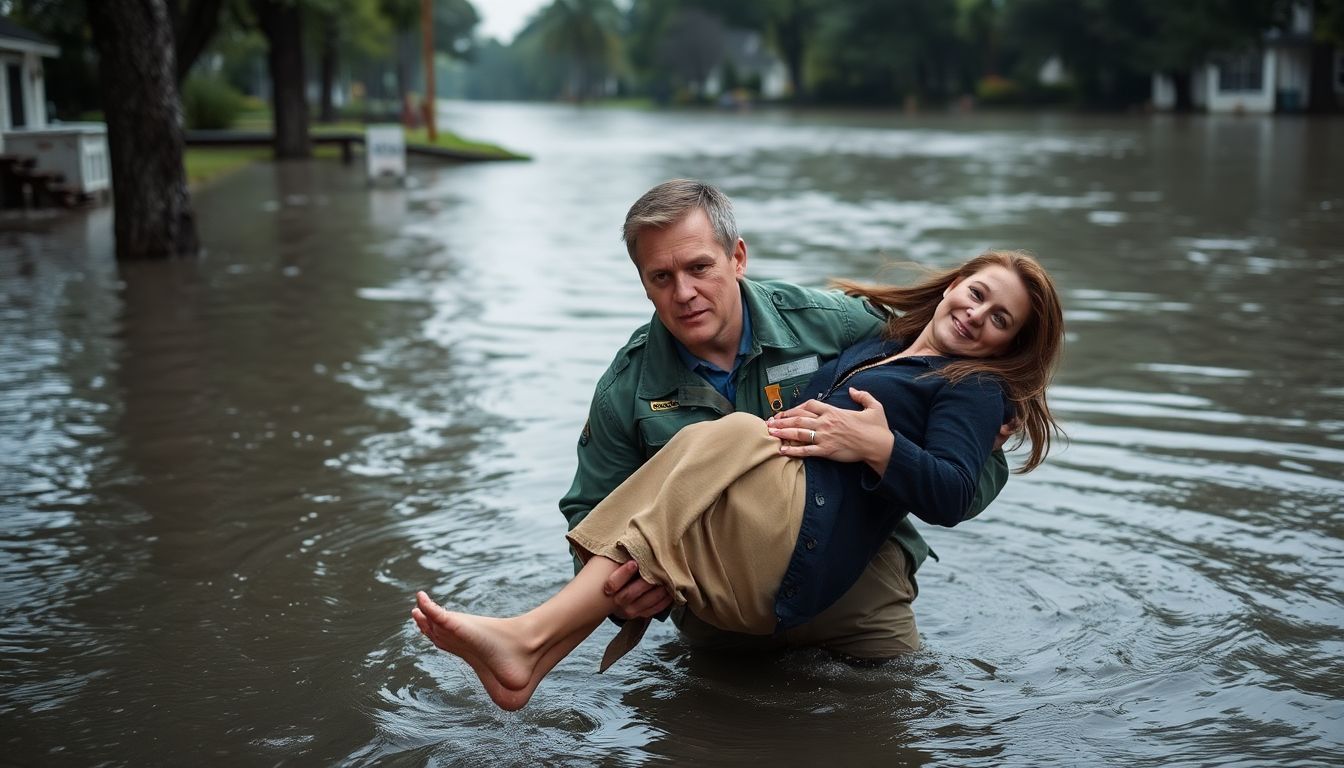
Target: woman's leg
713,517
511,656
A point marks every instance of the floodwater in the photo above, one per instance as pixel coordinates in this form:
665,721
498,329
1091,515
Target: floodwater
221,482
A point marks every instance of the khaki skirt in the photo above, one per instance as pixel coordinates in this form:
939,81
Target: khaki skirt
713,517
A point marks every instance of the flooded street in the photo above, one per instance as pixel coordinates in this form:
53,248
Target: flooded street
221,482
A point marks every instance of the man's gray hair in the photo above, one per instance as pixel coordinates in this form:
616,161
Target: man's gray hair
669,202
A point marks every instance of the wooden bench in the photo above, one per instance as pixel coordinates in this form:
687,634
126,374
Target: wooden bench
263,139
22,185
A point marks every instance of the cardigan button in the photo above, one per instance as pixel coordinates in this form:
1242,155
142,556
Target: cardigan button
790,592
821,500
811,544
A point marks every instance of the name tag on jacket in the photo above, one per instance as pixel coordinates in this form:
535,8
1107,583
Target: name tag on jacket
800,367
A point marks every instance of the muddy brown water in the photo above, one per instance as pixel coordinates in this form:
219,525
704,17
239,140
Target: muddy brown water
221,482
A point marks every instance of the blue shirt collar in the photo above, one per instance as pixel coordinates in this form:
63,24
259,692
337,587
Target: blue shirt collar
722,381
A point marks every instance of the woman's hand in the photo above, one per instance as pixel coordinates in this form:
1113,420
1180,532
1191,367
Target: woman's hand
820,430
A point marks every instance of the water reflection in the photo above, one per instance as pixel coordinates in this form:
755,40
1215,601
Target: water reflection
222,480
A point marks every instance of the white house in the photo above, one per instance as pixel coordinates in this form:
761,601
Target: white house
23,93
745,50
77,151
1274,78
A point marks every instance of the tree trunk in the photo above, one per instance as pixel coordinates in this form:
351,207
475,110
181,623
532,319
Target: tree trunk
192,30
282,23
1321,98
403,72
152,212
326,109
1180,83
790,34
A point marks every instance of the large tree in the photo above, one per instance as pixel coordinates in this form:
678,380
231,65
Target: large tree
875,51
281,21
692,44
586,36
793,24
195,23
153,217
1327,37
454,25
1095,40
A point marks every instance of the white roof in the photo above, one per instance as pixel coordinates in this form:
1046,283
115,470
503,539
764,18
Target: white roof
16,39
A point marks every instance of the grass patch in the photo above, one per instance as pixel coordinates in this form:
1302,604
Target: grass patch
261,121
206,164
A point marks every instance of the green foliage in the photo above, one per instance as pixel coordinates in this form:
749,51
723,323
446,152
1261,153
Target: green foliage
884,51
1328,21
454,21
878,51
585,36
209,103
998,91
205,164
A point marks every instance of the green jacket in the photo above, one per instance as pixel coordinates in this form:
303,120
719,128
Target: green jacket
648,394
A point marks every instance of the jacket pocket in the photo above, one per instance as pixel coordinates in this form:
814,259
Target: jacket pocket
794,391
655,431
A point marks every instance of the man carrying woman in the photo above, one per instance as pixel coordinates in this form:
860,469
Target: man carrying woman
721,343
752,539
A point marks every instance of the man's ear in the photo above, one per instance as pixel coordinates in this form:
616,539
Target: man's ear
739,258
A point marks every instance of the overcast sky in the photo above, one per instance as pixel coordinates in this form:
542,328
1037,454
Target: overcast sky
502,19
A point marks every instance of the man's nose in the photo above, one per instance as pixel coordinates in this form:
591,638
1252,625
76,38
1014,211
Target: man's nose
683,289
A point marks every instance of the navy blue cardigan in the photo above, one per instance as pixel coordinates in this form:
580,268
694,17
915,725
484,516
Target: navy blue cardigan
943,435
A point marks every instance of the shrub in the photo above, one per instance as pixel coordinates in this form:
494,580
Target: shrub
210,103
997,91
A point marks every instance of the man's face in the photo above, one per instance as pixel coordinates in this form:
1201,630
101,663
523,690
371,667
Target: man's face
693,285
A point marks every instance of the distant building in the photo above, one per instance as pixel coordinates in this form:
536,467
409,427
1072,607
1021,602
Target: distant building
750,60
23,92
1274,78
42,163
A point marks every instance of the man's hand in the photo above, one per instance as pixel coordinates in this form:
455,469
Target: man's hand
1006,431
635,598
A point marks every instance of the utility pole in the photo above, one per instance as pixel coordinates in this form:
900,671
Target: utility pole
427,26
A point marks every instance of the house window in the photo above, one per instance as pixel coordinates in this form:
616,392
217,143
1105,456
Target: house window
14,78
1242,72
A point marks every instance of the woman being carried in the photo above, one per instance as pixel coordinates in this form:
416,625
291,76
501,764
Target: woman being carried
756,535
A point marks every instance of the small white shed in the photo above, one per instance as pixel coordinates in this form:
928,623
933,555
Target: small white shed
23,93
77,151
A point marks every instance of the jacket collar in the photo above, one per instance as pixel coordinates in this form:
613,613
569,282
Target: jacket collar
874,349
664,373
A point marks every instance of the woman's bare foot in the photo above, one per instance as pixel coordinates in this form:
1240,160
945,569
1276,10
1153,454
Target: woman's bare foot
501,657
512,656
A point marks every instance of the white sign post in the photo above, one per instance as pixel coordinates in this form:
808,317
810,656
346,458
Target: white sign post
385,151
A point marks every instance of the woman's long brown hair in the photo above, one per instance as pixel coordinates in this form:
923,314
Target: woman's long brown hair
1025,369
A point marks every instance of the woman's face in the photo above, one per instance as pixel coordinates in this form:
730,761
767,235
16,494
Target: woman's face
980,315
